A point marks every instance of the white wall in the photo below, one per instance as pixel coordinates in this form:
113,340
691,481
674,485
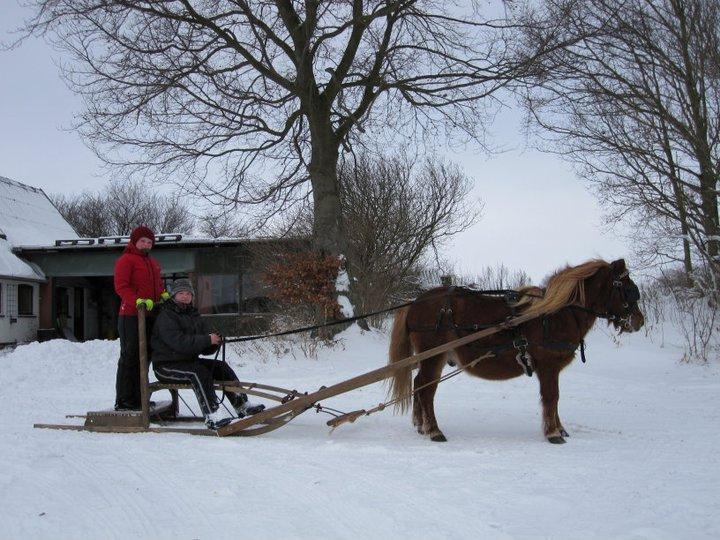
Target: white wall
24,328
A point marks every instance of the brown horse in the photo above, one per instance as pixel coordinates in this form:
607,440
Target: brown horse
566,310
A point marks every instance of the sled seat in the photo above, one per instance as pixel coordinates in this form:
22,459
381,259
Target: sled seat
273,393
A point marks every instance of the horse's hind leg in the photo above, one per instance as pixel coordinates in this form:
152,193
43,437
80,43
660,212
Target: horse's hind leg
417,410
550,394
430,370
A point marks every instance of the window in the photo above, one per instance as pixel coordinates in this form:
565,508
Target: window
218,293
11,300
25,300
255,294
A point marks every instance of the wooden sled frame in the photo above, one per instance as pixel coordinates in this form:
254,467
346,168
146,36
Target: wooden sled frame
167,412
291,402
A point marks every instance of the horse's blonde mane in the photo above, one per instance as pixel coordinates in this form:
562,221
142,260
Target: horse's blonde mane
566,286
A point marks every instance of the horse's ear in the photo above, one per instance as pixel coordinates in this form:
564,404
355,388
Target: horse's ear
618,266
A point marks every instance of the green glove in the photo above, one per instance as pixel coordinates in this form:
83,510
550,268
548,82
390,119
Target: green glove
149,304
165,296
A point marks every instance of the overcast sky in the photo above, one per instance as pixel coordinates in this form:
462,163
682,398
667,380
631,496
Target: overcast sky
537,215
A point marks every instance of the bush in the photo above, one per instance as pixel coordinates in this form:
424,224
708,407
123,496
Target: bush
689,304
303,285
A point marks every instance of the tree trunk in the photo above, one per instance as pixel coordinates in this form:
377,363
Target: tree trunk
694,86
709,206
679,194
328,230
328,233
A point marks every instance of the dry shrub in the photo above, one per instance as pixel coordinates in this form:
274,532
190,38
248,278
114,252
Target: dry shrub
689,304
303,285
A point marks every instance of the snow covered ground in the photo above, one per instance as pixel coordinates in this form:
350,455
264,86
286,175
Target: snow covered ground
642,460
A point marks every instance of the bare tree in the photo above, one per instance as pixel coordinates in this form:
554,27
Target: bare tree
221,224
496,277
254,102
86,213
636,102
397,212
122,206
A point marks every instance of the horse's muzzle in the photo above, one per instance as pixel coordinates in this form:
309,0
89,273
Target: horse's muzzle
633,322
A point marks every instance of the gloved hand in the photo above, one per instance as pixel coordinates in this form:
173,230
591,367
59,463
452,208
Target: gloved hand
164,296
149,304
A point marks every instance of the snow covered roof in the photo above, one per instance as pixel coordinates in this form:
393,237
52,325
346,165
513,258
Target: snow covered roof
12,266
26,217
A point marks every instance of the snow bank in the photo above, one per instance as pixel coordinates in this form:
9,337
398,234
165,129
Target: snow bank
642,460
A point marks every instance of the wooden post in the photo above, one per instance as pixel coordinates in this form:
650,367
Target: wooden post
144,397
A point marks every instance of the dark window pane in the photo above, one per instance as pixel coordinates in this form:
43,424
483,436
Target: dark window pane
218,293
255,294
25,300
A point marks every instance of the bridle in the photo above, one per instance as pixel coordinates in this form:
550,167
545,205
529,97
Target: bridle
629,295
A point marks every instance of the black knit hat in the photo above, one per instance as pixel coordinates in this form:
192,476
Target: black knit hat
180,285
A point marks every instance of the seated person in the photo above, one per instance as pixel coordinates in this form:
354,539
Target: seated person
179,337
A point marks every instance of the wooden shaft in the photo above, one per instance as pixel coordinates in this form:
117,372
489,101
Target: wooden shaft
304,401
144,382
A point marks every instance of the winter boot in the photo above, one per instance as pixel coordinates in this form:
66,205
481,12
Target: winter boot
122,406
248,409
243,407
217,419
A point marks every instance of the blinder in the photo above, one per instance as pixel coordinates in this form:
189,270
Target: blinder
629,292
632,293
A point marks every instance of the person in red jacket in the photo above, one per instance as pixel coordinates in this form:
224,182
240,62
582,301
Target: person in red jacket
137,281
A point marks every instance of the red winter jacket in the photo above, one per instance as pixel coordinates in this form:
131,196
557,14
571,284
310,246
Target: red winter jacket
137,275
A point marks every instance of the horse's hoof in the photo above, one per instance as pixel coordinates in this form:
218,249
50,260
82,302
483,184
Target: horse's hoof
557,439
438,438
564,433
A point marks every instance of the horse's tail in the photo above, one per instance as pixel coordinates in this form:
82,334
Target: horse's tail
400,347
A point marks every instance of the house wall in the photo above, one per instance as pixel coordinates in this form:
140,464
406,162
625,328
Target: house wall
15,328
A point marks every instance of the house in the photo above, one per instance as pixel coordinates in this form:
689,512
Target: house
79,300
27,216
55,284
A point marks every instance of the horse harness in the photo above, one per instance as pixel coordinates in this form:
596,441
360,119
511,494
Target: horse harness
445,321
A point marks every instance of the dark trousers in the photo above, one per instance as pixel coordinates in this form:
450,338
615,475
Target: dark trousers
127,381
201,374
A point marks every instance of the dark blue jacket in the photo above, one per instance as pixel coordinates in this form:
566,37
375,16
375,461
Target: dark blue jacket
180,334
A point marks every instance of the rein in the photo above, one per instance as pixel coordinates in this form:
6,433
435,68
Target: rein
505,292
316,326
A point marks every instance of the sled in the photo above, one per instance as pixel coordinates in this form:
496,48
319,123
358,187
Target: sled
291,403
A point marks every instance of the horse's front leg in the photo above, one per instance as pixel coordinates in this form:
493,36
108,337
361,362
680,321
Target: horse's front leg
549,395
563,431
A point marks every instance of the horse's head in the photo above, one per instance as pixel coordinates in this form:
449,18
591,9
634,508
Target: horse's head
617,297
